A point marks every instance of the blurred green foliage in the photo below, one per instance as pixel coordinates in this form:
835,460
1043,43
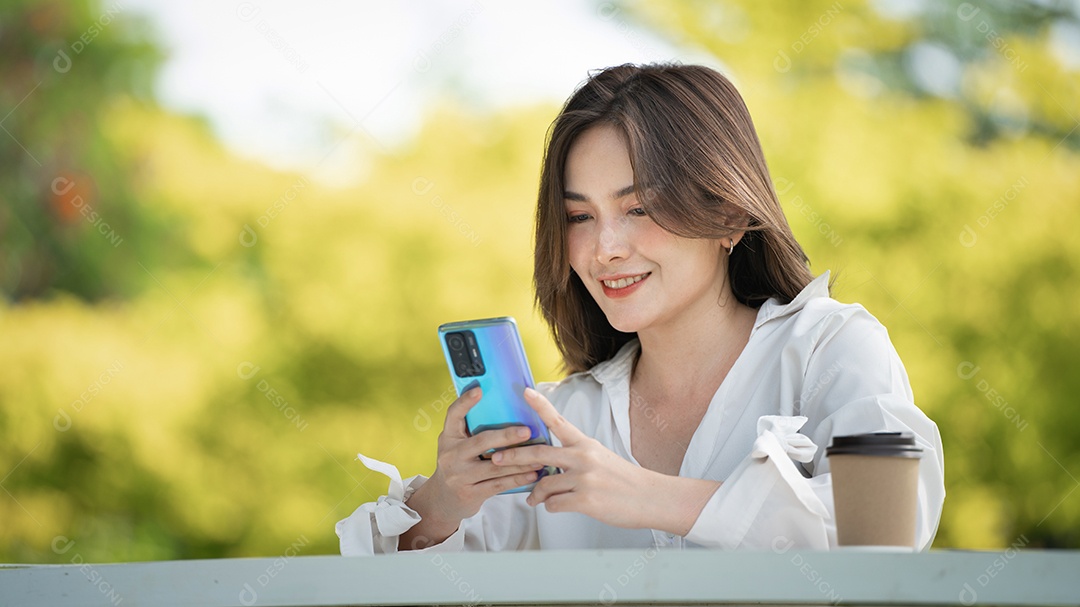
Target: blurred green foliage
194,381
70,220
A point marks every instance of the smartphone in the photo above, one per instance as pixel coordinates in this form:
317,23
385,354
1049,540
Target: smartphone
488,353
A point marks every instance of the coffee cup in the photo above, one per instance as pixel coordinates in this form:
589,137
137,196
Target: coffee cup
875,482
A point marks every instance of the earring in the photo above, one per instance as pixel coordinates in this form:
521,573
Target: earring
731,246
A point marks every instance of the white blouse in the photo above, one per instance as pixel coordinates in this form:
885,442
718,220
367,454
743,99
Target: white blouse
812,369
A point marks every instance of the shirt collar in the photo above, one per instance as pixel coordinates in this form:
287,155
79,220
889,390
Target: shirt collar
619,366
819,287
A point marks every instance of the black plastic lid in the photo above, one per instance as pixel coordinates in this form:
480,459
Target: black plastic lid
894,444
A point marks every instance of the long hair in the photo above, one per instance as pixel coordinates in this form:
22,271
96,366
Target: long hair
699,172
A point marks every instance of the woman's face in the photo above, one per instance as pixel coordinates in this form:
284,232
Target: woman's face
642,276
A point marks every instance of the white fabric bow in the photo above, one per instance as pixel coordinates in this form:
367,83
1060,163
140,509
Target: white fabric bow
785,429
779,439
392,516
397,487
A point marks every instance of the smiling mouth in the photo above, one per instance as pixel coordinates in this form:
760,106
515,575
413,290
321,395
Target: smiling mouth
622,283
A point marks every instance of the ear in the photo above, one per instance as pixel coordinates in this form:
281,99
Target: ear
742,222
736,238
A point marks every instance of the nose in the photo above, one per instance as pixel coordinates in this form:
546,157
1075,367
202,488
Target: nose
613,240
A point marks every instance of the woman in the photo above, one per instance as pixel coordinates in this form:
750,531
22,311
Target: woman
709,368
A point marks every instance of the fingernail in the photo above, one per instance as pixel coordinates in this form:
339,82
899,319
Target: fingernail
524,433
530,392
497,458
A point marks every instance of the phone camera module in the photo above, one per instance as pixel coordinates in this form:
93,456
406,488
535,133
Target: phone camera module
465,354
455,341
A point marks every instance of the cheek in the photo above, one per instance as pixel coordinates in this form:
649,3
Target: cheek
690,256
651,237
577,248
705,257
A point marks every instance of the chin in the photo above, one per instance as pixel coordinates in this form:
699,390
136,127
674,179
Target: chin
625,323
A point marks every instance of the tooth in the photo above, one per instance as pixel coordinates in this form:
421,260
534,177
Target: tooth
622,283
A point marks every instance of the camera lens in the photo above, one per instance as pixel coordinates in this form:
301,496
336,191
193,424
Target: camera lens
455,341
462,369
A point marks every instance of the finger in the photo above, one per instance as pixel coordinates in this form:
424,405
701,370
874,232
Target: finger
495,439
556,423
479,472
455,413
505,483
533,454
549,487
489,470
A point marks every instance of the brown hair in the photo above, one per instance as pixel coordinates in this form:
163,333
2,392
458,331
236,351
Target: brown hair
699,172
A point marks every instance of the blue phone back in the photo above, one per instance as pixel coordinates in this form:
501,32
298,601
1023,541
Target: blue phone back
505,377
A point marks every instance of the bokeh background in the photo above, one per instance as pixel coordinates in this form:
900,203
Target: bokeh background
229,230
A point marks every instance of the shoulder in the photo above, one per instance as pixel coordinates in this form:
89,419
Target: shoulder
828,329
824,318
814,317
817,334
845,346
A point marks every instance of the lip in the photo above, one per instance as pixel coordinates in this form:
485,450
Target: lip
625,291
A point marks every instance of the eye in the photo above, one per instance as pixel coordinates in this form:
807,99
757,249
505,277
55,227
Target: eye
638,212
577,218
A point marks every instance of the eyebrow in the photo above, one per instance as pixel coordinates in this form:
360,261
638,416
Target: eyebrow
568,195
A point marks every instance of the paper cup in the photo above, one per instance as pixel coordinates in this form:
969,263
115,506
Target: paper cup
875,481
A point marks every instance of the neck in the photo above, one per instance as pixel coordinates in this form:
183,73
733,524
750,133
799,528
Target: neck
694,351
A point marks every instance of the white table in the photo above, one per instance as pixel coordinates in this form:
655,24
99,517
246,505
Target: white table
698,577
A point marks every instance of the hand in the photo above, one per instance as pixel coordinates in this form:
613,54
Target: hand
595,481
462,481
